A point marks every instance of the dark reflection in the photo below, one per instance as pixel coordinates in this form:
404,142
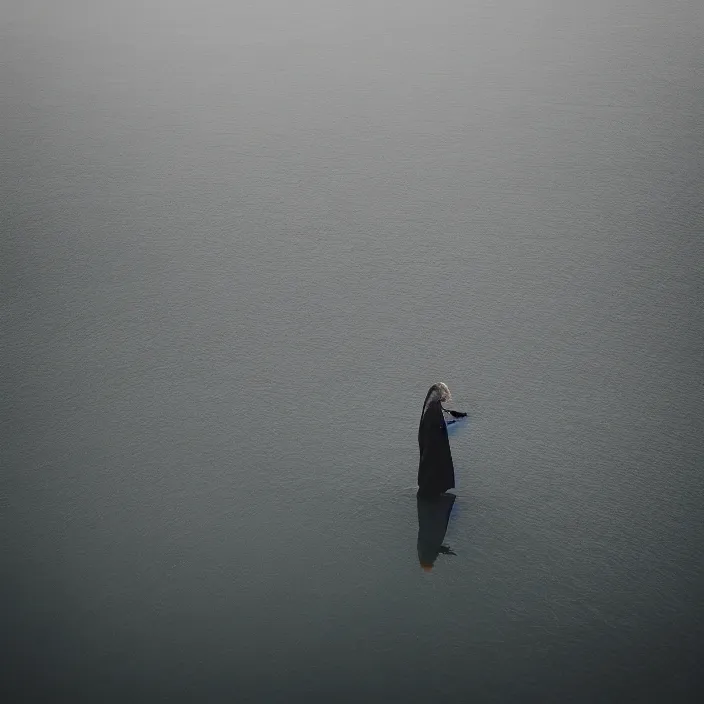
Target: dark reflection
433,517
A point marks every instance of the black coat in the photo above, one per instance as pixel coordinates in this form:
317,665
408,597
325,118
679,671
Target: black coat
436,472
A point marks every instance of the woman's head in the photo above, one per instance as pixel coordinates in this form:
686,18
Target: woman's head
439,392
445,395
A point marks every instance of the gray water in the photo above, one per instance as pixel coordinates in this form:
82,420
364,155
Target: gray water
241,239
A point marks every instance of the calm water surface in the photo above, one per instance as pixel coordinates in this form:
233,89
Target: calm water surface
241,239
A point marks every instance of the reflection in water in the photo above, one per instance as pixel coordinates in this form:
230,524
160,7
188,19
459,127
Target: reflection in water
433,517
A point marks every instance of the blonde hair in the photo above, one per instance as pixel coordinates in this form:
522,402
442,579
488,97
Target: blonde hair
437,392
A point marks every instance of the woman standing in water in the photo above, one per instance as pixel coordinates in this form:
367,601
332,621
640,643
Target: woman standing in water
436,473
